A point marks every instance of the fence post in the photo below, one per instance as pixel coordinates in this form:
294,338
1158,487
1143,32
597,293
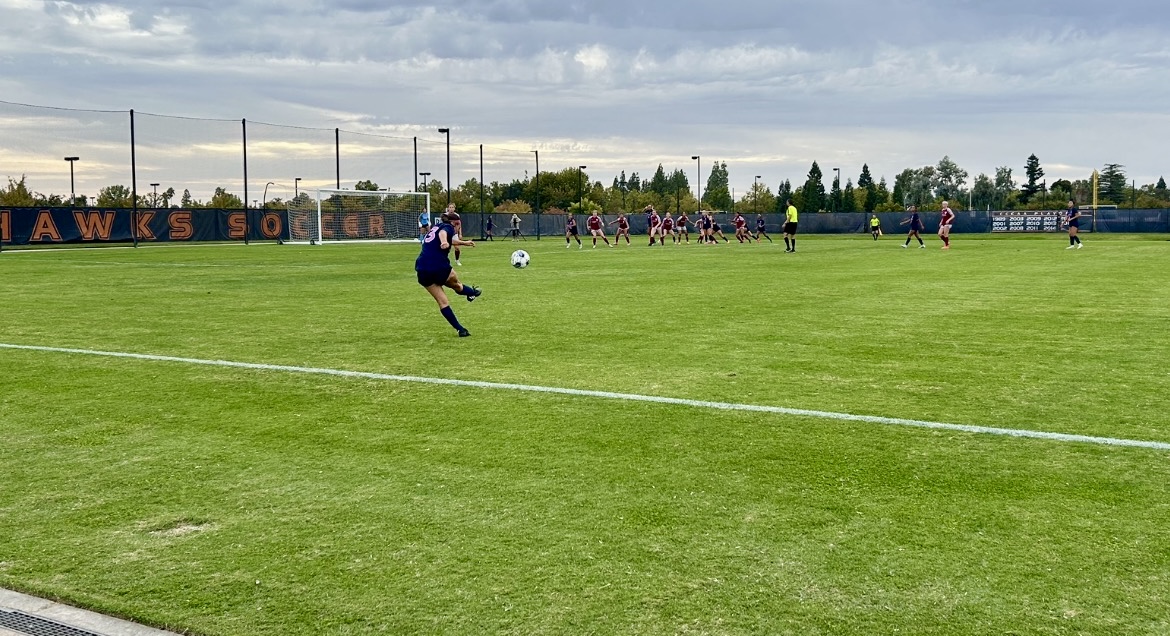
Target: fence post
244,128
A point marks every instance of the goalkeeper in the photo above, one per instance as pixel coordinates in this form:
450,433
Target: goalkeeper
433,267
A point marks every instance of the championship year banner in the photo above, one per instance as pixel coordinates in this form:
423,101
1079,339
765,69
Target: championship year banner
1027,221
37,226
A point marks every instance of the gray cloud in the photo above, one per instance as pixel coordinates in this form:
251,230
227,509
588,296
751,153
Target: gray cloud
769,86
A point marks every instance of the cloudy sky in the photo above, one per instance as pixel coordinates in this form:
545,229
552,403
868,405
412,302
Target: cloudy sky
767,86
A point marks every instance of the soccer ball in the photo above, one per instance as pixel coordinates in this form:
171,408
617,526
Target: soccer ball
520,259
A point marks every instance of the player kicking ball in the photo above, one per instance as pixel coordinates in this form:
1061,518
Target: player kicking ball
434,272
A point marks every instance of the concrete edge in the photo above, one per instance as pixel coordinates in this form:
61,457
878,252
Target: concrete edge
75,617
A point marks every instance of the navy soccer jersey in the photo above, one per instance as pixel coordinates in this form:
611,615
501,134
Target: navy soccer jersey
915,221
1070,217
759,224
433,258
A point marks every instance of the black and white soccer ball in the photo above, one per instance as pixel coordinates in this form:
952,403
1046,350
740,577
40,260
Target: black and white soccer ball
520,259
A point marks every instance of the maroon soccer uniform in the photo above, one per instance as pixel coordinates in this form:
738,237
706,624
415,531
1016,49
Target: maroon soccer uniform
655,220
667,223
739,221
623,224
594,222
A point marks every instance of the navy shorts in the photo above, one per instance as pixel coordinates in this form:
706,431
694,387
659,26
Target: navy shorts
427,277
1076,223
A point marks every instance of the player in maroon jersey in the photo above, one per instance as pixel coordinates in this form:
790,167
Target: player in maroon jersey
571,231
623,228
653,224
741,231
946,218
668,229
680,226
596,228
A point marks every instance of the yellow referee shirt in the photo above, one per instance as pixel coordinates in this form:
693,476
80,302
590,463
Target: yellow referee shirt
791,214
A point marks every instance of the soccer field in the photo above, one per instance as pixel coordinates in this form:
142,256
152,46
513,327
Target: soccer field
243,500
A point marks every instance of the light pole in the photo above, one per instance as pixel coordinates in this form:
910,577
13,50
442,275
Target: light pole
447,131
756,194
836,188
264,197
297,189
698,183
154,201
537,153
426,186
580,201
72,193
416,164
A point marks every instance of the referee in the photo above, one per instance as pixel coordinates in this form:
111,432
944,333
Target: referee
790,218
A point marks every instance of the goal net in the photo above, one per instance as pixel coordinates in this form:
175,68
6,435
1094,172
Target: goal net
338,216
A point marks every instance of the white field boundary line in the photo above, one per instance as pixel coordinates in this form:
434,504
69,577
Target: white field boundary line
633,397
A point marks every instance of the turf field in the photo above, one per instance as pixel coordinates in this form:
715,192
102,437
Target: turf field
243,501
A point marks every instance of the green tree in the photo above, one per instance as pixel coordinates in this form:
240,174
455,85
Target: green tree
948,179
983,192
865,182
224,200
1113,184
813,190
717,194
115,196
659,184
760,199
366,185
885,199
17,194
848,198
1034,173
834,204
1005,189
187,201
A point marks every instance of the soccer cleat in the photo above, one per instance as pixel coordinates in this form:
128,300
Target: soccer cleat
568,245
1080,245
905,246
611,244
580,246
1071,247
921,247
473,294
463,333
459,264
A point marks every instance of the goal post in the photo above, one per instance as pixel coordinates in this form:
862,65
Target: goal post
343,216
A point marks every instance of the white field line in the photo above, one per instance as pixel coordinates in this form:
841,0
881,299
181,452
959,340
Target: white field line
634,397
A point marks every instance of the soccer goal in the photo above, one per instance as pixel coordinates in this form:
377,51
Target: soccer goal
342,216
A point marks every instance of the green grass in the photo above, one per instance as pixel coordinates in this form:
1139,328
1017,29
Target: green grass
229,501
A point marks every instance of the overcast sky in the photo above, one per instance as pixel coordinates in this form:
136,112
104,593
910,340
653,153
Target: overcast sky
767,86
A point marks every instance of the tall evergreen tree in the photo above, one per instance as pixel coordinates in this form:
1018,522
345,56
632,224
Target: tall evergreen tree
848,197
717,194
813,191
783,194
865,182
1112,183
659,184
1161,184
1034,173
835,193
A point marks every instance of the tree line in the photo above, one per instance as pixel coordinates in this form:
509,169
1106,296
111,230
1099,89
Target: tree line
573,190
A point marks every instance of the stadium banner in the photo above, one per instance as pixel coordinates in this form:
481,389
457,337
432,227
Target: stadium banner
1027,221
39,226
